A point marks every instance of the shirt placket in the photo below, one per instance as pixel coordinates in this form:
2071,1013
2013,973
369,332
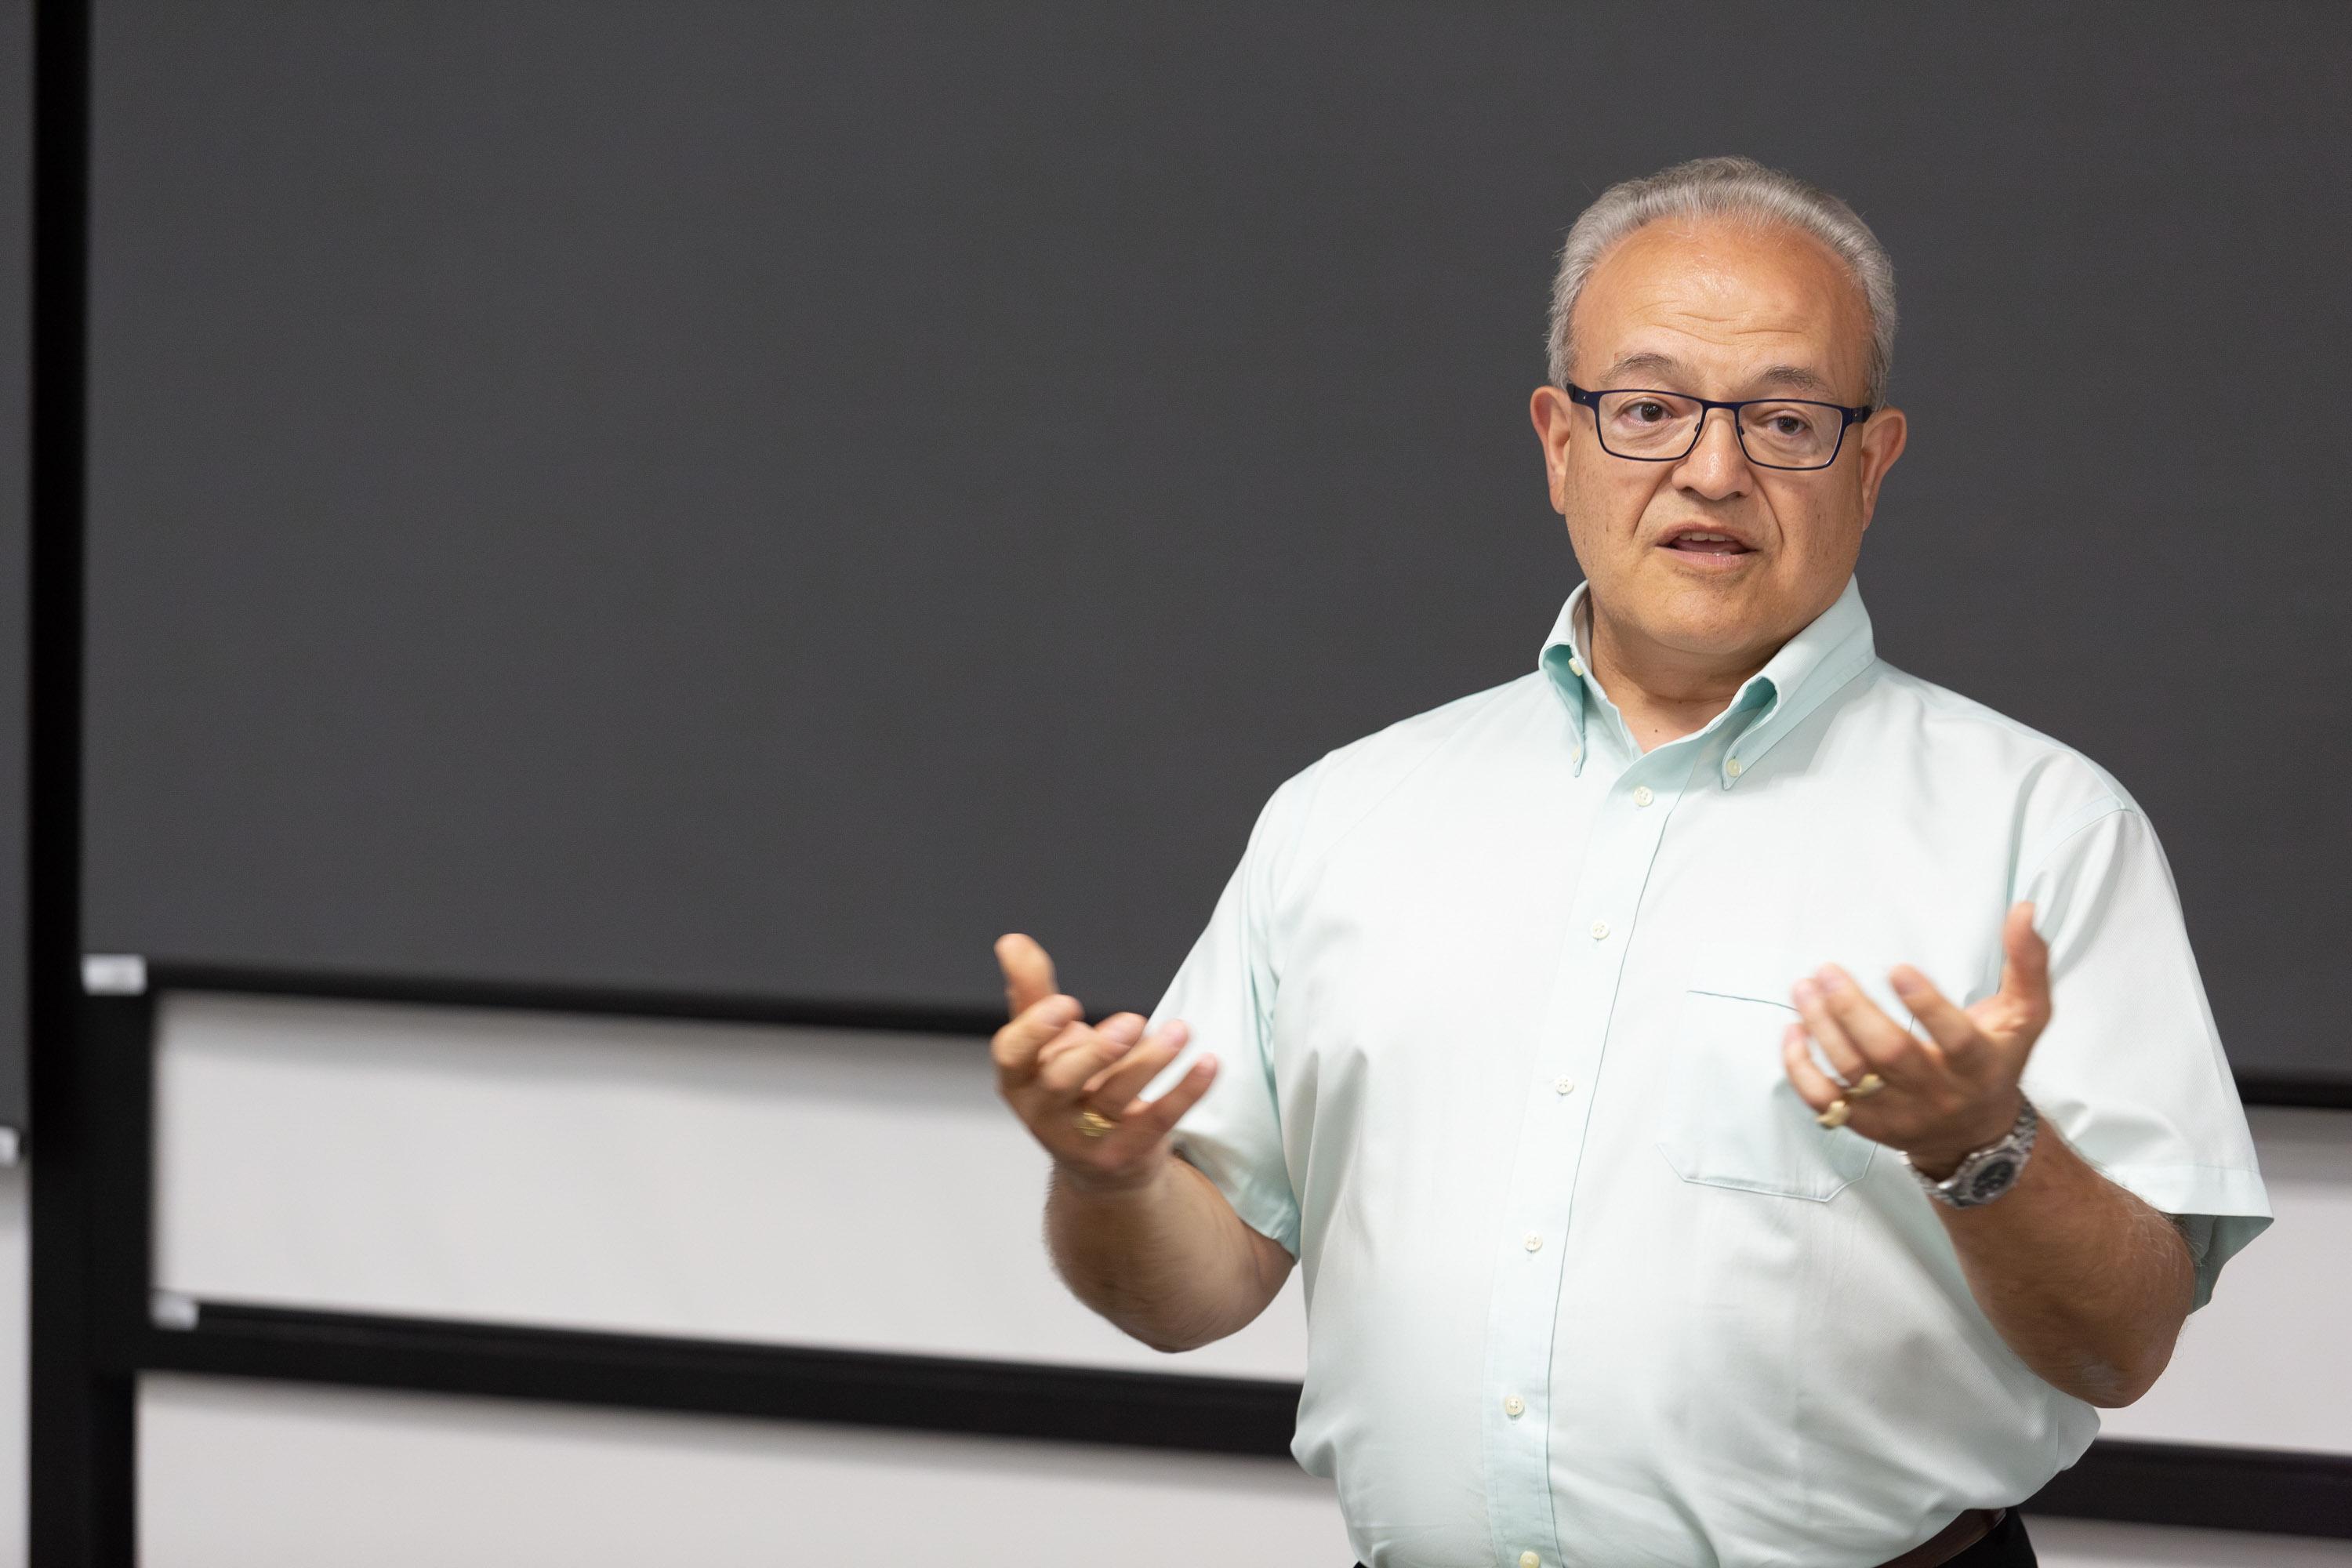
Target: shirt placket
1533,1224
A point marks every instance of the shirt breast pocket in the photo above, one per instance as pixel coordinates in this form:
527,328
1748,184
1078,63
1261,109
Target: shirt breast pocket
1729,1115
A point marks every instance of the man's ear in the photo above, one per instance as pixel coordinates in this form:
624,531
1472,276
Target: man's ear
1554,418
1883,437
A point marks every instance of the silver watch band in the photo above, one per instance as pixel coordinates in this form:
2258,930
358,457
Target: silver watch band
1990,1171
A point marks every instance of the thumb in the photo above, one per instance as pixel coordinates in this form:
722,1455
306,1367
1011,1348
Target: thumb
2026,970
1028,971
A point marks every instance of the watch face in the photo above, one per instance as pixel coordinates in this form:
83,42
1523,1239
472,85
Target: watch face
1992,1179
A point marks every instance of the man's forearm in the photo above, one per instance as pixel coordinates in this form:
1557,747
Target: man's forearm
2086,1283
1168,1262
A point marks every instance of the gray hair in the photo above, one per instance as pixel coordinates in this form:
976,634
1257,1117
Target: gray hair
1728,188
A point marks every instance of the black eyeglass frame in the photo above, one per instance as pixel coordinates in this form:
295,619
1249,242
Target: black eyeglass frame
1849,417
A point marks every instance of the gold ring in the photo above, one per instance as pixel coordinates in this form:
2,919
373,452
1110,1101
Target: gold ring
1093,1123
1865,1086
1835,1115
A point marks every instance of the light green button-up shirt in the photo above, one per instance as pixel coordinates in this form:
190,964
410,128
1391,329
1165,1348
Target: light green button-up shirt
1498,1000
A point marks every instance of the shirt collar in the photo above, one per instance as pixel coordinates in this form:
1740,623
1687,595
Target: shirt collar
1831,650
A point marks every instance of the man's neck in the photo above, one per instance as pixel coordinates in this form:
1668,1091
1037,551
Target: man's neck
1666,693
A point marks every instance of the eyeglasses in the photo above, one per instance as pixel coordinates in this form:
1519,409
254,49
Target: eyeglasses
1654,426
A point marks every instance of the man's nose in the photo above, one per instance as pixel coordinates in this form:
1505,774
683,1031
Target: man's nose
1717,467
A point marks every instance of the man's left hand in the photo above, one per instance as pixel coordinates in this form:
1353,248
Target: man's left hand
1947,1095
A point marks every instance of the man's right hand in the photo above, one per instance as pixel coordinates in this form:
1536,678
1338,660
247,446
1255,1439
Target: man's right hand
1051,1066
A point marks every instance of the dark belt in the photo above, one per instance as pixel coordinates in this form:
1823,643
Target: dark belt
1951,1540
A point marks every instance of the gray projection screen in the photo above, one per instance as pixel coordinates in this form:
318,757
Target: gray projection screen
764,499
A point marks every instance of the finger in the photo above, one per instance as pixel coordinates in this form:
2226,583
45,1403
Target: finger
2025,977
1894,1052
1111,1089
1845,1062
1018,1044
1821,1026
1079,1061
1124,1027
1069,1038
1028,973
1812,1084
1954,1033
1162,1114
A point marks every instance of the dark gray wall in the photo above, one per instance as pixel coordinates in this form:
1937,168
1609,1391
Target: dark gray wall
768,498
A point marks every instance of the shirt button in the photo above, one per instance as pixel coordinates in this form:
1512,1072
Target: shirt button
1529,1560
1575,666
1642,796
1600,930
1565,1084
1535,1242
1732,767
1515,1407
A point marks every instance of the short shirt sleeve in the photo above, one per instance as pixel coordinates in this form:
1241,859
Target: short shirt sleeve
1224,992
2130,1068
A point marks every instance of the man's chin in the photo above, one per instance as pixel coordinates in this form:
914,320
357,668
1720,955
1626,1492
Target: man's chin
1714,620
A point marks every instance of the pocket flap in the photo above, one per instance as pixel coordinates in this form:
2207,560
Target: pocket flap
1764,970
1754,972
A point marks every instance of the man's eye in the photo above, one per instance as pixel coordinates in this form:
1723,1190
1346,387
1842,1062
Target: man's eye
1784,424
1648,411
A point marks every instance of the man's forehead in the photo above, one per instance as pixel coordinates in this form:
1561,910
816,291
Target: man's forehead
1767,302
1800,373
1793,374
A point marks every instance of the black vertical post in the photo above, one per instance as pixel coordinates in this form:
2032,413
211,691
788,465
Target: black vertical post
80,1507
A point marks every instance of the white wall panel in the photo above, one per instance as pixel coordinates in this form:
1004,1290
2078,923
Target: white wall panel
2267,1363
721,1181
269,1476
258,1476
855,1189
2092,1543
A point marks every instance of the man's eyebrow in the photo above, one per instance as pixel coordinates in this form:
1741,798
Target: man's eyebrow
1795,377
1657,364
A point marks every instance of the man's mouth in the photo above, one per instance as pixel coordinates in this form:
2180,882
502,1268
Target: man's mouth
1707,544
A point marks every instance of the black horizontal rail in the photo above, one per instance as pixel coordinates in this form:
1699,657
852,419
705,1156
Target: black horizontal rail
596,1001
2254,1088
2260,1088
932,1393
2205,1486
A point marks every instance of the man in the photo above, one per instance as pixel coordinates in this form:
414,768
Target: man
1653,1059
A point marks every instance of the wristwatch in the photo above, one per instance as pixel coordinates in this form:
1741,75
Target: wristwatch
1990,1171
